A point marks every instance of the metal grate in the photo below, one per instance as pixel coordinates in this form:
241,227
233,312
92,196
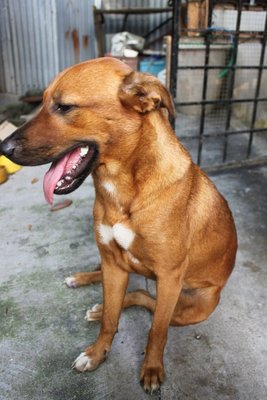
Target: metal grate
219,83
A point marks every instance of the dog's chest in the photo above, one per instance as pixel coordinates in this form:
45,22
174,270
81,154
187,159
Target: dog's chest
122,234
115,223
118,239
114,229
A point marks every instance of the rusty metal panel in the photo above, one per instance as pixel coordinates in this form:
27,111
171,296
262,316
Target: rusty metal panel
38,38
75,25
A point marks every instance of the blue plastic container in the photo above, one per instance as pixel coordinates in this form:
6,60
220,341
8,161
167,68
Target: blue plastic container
152,65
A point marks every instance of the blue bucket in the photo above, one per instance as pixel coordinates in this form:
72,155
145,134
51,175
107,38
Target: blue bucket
152,65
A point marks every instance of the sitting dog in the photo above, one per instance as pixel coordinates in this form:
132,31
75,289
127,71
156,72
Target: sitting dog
156,213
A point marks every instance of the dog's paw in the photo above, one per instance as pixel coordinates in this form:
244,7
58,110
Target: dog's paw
70,281
151,378
94,313
83,363
90,358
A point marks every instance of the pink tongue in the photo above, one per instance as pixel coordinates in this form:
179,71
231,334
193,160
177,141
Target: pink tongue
57,171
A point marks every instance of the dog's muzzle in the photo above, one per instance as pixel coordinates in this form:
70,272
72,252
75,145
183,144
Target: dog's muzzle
69,171
7,147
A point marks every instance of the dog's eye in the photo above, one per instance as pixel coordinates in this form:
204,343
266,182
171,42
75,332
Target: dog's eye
63,108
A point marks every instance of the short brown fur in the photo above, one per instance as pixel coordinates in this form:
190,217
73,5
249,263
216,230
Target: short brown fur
184,234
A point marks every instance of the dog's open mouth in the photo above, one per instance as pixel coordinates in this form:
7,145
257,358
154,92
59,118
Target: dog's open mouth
68,173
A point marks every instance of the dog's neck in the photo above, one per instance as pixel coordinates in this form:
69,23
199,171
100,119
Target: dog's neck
163,154
153,163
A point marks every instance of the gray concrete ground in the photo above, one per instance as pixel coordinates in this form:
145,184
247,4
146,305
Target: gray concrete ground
42,326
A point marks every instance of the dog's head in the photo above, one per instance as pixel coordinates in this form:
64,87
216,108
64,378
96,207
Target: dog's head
91,111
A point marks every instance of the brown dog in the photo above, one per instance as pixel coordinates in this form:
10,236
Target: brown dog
156,213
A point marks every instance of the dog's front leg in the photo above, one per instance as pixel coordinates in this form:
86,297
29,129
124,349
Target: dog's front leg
115,282
168,291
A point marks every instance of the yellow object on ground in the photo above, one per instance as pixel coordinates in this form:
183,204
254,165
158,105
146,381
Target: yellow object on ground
6,128
10,167
3,175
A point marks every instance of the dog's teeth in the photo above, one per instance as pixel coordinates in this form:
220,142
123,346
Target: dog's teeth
84,151
74,167
68,178
60,183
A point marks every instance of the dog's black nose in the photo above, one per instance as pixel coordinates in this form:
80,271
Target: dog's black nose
7,147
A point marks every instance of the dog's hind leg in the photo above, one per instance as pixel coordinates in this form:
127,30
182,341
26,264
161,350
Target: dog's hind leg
195,305
83,278
136,298
139,298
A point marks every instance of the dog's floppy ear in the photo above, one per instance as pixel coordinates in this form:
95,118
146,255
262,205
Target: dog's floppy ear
144,93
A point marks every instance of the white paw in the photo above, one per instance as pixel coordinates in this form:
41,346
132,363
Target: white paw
70,282
94,313
82,363
154,388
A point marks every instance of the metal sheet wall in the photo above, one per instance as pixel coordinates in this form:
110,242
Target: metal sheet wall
38,38
76,34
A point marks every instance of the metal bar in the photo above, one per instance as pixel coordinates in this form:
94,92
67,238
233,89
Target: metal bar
245,34
124,23
205,83
193,67
176,4
133,10
235,164
157,27
257,92
168,44
232,78
219,102
222,134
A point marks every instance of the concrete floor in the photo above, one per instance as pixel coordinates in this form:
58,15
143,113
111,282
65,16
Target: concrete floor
42,326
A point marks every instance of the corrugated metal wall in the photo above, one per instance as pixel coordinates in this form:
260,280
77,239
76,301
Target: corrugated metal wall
38,38
75,29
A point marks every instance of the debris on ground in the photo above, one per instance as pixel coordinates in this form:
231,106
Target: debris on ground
61,205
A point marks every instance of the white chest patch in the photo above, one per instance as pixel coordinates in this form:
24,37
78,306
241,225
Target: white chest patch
110,188
105,233
123,235
120,233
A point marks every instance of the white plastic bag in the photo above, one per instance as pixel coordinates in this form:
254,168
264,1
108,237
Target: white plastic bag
125,40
